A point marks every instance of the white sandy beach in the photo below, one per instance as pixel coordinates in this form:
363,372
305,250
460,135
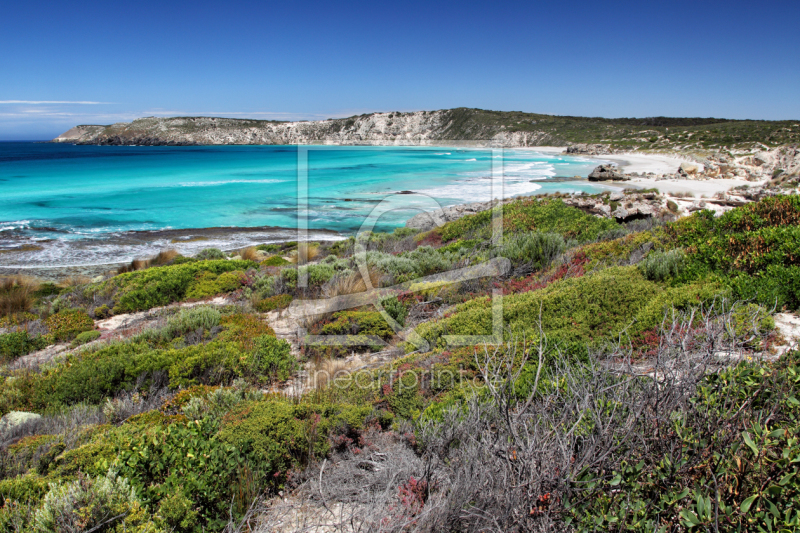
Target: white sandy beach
637,163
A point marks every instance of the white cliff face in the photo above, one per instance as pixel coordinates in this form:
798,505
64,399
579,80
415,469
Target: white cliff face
379,128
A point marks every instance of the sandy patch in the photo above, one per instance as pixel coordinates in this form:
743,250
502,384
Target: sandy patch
644,163
699,188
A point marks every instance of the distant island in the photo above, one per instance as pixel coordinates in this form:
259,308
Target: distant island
501,128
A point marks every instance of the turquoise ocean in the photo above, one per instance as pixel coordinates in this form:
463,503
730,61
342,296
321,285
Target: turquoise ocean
88,205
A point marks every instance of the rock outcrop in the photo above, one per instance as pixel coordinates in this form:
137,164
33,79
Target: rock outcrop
606,173
417,128
587,149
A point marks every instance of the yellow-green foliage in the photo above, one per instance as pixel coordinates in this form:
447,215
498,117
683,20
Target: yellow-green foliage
611,252
531,214
368,323
17,344
157,286
67,324
271,303
209,284
276,435
579,309
23,489
275,260
243,329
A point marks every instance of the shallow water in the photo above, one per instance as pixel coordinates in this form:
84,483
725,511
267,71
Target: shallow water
83,205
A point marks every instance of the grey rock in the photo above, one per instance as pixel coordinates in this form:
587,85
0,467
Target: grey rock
620,212
605,173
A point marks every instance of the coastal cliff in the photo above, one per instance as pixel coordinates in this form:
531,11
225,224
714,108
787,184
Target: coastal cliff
481,127
417,128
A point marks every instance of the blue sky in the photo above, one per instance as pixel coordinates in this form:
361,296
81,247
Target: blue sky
309,60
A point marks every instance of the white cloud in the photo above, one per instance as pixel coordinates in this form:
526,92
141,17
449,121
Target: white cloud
39,102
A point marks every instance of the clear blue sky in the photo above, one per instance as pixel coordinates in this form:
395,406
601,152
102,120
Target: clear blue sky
307,60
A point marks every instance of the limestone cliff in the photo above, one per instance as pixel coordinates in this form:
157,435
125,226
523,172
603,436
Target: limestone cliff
417,128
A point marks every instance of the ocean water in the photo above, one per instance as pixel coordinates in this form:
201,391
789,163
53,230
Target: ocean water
87,205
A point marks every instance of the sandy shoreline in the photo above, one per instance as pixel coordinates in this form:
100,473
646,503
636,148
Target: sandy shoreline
637,163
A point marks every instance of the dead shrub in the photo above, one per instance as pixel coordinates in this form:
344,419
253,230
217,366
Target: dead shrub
16,295
306,251
249,254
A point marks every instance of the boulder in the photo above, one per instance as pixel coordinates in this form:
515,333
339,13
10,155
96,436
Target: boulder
689,168
620,213
616,196
762,158
587,149
605,173
603,209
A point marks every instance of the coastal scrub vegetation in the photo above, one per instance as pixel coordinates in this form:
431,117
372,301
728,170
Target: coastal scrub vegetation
639,383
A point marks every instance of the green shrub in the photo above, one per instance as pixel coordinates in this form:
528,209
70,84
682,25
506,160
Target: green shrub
17,344
536,249
272,359
269,434
67,324
216,362
271,303
369,323
585,310
86,337
530,214
187,320
276,435
159,286
209,284
26,489
210,254
275,260
317,274
182,459
659,266
87,503
396,309
268,248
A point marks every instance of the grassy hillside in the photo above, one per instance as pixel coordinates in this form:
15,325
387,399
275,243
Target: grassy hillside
637,386
649,133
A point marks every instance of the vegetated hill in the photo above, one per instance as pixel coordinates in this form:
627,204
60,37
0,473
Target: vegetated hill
507,128
640,384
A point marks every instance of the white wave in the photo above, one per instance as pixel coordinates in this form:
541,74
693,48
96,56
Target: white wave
442,153
473,159
223,182
480,190
17,224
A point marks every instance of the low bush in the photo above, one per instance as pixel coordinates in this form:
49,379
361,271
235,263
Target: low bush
17,344
586,310
396,309
530,214
182,459
67,324
209,284
536,250
367,323
107,502
85,337
274,260
271,360
159,286
210,254
281,301
659,266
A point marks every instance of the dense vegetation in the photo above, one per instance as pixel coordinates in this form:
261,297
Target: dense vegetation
649,133
635,387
